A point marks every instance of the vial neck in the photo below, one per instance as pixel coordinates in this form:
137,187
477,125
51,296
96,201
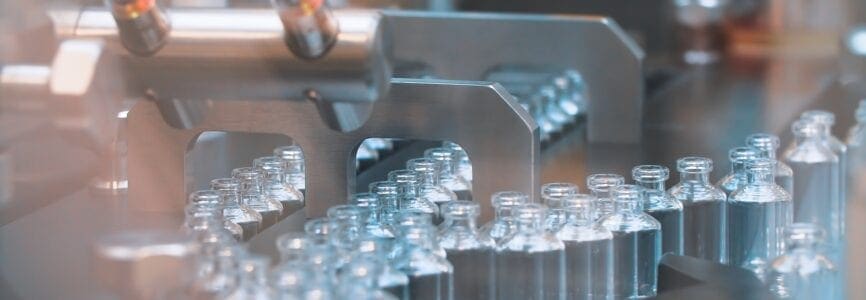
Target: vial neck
654,185
447,169
230,198
530,227
802,139
695,177
600,193
738,168
760,177
504,213
579,216
389,202
252,185
768,152
460,224
274,178
429,178
627,207
409,190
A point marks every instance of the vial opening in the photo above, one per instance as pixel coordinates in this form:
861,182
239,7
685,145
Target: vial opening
694,164
604,182
742,154
508,199
627,193
461,208
225,184
346,213
369,200
246,174
579,201
650,173
805,128
384,188
403,176
530,212
761,165
821,116
205,196
269,163
763,141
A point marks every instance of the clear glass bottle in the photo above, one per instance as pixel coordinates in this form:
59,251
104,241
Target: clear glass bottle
705,219
447,172
588,251
410,199
464,165
737,177
320,254
389,197
471,254
637,245
253,282
347,226
841,150
530,264
408,219
661,205
816,186
803,272
205,209
554,196
293,157
291,278
224,276
390,280
373,225
767,146
234,210
430,276
503,224
757,215
253,196
358,281
430,188
274,184
601,186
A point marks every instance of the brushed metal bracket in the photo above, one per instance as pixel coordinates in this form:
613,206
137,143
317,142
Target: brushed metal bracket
501,138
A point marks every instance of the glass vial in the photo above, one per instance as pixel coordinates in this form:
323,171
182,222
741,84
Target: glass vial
390,280
346,228
737,177
430,188
767,146
410,199
464,165
253,280
816,186
503,224
601,186
554,196
637,245
223,277
661,205
757,215
373,224
588,251
389,198
530,264
430,276
293,277
253,196
803,272
841,150
705,220
471,254
274,184
235,211
293,157
448,177
205,211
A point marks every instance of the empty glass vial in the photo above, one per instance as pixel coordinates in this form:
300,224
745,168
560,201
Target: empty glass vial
601,186
347,227
816,186
767,146
293,157
390,280
661,205
430,276
841,150
252,195
320,254
637,245
464,166
274,184
430,188
224,275
757,215
530,264
205,209
503,224
235,211
471,254
737,177
373,225
389,197
802,272
291,278
588,251
358,280
409,219
705,217
410,200
447,172
253,282
554,196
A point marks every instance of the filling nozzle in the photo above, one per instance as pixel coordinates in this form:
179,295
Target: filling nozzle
142,27
310,28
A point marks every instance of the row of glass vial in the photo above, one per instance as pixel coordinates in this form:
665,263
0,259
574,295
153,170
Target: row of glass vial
256,197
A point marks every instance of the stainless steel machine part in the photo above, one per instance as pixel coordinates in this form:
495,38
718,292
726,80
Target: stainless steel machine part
608,60
160,136
240,53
